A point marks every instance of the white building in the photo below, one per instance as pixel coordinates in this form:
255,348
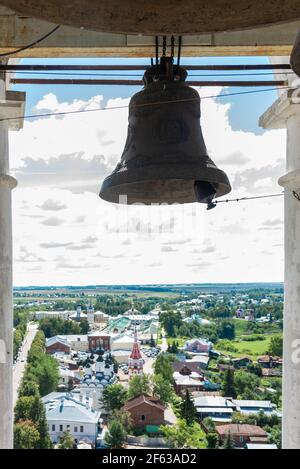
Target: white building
121,347
198,319
78,315
90,314
101,318
64,413
37,315
254,407
79,342
122,342
219,409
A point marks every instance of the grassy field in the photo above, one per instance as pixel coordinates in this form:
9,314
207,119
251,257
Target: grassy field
252,349
130,294
242,328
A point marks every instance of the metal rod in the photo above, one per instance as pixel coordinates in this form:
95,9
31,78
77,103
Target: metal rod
37,67
59,81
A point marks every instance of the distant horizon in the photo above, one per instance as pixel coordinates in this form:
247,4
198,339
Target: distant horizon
142,285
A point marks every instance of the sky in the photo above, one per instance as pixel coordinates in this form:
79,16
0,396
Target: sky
64,234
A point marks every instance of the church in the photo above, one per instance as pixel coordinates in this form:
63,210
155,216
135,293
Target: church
135,360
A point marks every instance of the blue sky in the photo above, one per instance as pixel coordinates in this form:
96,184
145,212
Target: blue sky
244,112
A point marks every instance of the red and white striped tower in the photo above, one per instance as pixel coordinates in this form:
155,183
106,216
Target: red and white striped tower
135,361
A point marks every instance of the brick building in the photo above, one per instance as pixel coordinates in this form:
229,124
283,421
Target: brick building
145,410
57,344
241,434
99,339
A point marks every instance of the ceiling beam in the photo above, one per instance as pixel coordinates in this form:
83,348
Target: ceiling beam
18,31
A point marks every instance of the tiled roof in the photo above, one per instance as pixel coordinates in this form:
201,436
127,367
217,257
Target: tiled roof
142,399
192,366
240,429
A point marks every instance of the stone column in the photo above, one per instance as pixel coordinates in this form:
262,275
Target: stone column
8,108
285,113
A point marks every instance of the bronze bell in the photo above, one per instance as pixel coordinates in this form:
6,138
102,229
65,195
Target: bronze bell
165,159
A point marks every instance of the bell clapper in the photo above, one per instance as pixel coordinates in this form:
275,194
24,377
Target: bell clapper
211,205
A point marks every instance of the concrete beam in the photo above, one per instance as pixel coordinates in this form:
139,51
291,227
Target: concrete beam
18,31
285,112
160,17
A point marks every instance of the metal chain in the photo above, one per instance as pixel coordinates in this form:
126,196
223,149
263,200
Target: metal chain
164,47
179,50
172,46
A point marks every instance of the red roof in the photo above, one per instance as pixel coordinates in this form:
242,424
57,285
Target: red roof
142,399
135,352
240,429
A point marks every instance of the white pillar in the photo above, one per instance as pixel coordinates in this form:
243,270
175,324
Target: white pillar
285,112
7,183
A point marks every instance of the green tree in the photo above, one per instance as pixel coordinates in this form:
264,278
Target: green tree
226,330
37,348
116,435
125,419
18,339
275,435
26,435
84,326
28,387
276,346
228,385
46,371
182,435
173,348
209,425
187,409
164,366
245,384
212,440
228,442
139,384
162,389
66,441
171,321
58,326
31,408
152,341
114,397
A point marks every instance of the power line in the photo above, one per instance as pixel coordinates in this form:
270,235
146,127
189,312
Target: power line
214,203
21,49
250,198
81,111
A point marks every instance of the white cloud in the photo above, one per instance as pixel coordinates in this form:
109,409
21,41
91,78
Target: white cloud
65,234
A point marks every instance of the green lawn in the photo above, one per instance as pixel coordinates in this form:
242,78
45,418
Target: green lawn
252,349
242,328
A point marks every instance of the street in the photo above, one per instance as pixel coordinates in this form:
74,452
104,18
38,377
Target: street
19,366
164,343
